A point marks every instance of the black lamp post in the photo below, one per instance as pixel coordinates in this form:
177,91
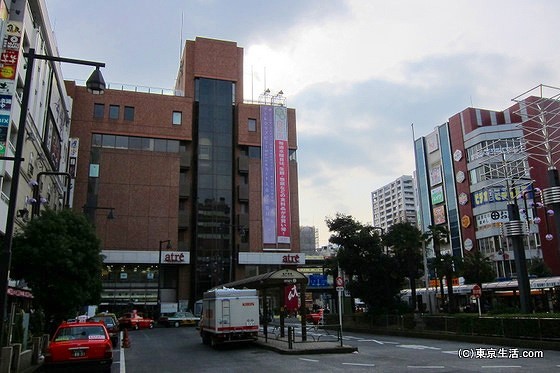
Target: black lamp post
36,208
95,84
168,247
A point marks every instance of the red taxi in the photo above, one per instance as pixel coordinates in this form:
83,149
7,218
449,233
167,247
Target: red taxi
80,346
135,320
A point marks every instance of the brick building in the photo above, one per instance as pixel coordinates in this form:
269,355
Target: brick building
199,178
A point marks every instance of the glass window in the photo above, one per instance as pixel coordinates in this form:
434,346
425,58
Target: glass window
147,144
135,143
173,146
254,152
96,139
108,141
177,118
113,111
160,145
128,113
121,142
252,125
98,110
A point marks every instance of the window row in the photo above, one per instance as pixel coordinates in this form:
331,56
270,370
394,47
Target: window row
128,113
134,143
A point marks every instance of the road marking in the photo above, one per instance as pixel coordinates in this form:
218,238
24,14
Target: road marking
121,357
359,365
425,367
500,366
312,360
450,352
370,340
419,347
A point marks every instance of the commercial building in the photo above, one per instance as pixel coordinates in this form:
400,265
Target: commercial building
394,203
25,25
200,181
470,168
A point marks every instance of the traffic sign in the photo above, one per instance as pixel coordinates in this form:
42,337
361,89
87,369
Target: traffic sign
476,291
339,283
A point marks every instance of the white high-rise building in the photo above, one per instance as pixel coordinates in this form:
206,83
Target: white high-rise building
394,203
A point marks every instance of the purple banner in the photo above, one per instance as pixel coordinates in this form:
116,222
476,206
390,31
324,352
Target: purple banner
268,175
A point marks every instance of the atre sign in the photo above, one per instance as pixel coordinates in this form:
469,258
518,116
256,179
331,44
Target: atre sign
285,258
173,257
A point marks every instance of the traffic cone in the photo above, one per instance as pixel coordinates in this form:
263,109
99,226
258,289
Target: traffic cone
125,341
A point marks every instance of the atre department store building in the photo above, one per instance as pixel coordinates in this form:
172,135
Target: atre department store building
201,176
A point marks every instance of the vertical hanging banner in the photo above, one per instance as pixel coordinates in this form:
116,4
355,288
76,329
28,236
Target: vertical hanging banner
8,67
281,151
268,187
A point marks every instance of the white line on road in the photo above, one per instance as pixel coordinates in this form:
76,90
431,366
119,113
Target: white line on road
360,365
370,340
425,367
121,356
450,352
312,360
500,366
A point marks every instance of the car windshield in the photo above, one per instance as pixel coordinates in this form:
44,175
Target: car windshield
108,320
80,332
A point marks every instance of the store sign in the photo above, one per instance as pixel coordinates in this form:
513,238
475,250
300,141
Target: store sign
457,155
290,259
463,199
466,221
173,257
271,258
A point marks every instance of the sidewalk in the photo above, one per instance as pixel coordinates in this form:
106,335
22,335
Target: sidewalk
319,341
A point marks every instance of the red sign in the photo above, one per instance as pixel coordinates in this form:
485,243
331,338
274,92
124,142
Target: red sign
476,291
291,298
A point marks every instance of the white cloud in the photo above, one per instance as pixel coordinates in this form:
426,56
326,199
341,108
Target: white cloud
358,72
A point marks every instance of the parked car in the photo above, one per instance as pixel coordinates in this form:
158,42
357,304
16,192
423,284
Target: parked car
179,319
135,320
111,323
315,317
79,347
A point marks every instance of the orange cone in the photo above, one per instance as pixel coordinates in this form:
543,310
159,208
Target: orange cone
125,341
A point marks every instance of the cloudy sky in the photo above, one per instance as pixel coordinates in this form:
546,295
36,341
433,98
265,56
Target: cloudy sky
358,72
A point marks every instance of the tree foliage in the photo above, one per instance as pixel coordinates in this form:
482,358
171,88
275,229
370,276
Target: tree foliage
405,241
372,275
58,255
539,268
477,268
444,265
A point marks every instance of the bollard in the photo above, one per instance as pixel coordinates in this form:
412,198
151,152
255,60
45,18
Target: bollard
290,339
125,339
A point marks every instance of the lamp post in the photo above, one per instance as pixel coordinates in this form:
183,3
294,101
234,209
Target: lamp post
36,208
96,85
168,247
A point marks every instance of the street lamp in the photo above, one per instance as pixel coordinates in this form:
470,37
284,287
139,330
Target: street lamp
96,84
168,247
36,208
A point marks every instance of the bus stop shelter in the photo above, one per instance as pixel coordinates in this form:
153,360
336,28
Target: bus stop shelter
276,280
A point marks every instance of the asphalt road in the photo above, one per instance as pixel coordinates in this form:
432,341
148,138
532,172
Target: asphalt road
168,350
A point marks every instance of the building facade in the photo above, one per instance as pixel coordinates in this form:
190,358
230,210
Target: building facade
42,180
471,168
394,203
201,184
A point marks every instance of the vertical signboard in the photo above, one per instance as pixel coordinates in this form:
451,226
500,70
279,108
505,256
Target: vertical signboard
8,66
275,153
268,175
282,174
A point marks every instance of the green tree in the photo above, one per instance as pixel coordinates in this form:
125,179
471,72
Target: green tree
58,255
539,268
373,276
477,268
443,265
405,241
